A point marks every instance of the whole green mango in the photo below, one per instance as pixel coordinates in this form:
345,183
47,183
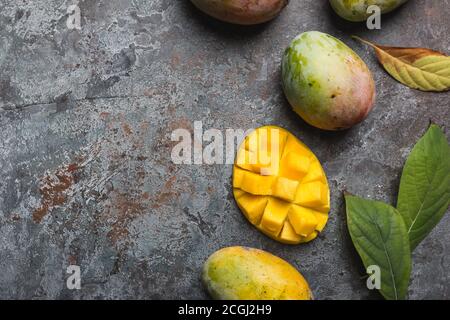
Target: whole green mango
356,10
244,12
326,82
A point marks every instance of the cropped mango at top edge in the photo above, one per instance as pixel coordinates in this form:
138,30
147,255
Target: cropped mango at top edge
280,186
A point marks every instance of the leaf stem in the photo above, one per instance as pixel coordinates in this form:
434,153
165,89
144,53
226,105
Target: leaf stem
364,41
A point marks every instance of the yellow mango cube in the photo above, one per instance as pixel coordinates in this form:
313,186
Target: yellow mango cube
288,234
251,142
312,194
269,139
322,219
272,169
311,237
274,216
256,184
245,159
295,166
285,188
268,164
325,208
295,146
253,207
315,173
303,220
238,177
238,193
257,162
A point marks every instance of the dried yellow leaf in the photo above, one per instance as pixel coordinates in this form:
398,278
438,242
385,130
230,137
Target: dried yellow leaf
418,68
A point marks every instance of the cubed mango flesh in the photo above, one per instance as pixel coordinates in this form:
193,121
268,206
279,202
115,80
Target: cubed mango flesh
312,194
253,207
295,166
296,146
287,198
303,220
315,173
288,234
256,184
285,188
322,219
270,139
311,237
238,193
274,215
257,162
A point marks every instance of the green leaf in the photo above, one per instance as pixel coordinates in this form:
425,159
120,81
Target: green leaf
425,185
380,237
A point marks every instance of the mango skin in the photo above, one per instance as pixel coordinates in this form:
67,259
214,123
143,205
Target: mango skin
243,12
356,10
240,273
326,82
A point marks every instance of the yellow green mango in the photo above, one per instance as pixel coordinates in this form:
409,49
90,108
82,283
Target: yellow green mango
241,273
356,10
326,82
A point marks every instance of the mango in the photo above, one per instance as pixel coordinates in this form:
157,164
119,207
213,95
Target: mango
356,10
303,220
274,216
290,202
326,82
240,273
243,12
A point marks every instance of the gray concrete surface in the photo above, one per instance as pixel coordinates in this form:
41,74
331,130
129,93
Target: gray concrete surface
86,116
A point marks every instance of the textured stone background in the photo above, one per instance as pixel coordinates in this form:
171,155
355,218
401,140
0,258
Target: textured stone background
86,116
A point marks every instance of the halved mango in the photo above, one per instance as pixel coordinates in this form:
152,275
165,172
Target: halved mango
289,199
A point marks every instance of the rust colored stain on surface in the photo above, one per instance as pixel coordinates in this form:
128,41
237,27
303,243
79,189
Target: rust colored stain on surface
72,167
126,128
72,260
171,191
127,202
123,210
168,193
104,115
53,189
